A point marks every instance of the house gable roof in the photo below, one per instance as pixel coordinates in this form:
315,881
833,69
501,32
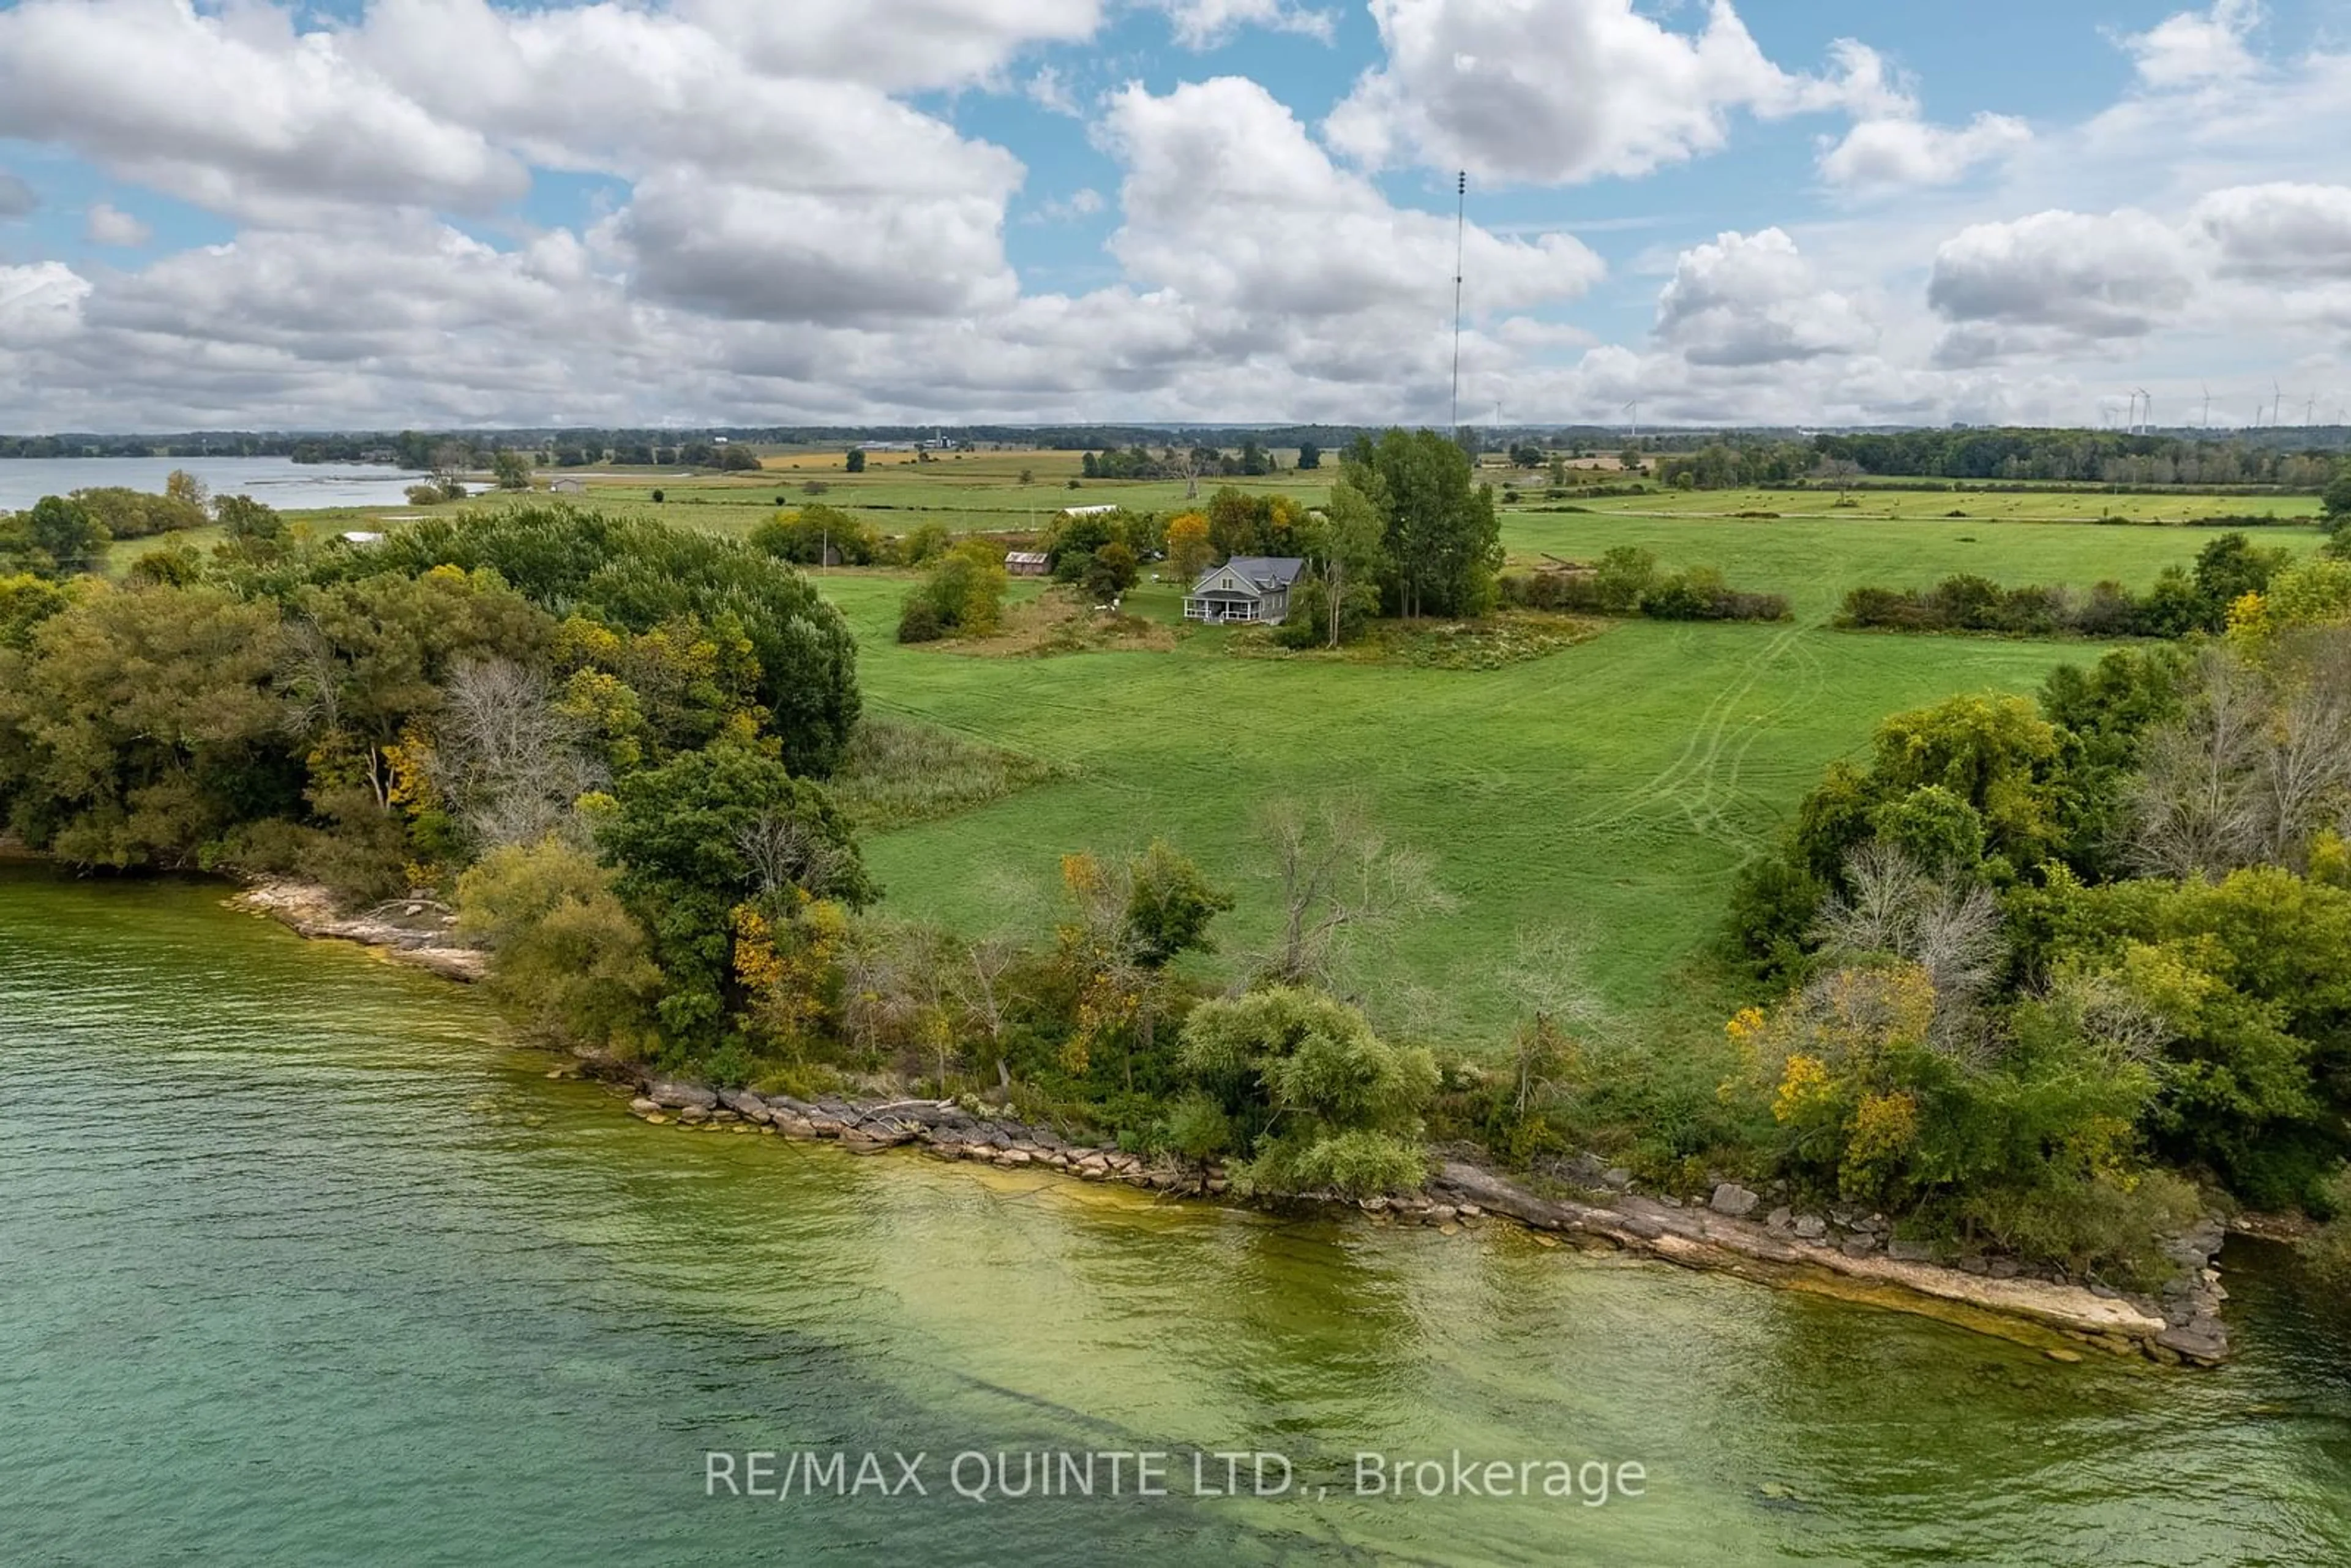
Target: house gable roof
1257,574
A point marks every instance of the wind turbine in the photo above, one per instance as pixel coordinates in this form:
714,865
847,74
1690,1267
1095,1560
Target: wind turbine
2147,415
1634,408
2309,409
2277,403
2207,405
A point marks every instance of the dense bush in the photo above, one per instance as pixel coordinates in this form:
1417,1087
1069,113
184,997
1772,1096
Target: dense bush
919,620
54,538
801,534
637,574
2153,863
136,515
569,962
963,596
1626,582
1296,1086
2180,603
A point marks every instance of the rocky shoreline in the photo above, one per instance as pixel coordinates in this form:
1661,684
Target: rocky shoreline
945,1128
1839,1253
1843,1248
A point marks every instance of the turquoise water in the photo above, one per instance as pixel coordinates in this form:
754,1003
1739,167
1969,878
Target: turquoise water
299,1262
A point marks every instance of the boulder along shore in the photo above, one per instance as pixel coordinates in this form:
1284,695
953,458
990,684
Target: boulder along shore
1840,1252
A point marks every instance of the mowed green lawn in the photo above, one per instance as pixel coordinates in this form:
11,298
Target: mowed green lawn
1611,790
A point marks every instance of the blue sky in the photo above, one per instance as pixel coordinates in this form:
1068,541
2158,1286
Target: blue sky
452,212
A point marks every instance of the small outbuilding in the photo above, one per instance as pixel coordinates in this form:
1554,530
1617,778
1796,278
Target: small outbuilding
1252,588
1027,563
568,485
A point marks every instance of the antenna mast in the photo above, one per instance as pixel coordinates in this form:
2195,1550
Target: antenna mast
1460,232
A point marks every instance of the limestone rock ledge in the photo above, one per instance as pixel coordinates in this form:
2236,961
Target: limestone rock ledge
1705,1238
408,931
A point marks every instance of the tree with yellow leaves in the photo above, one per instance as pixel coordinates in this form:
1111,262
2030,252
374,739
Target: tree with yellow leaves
1189,549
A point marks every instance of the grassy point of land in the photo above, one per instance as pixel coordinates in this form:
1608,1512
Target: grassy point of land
1611,786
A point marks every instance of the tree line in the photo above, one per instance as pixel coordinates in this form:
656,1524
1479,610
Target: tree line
2183,601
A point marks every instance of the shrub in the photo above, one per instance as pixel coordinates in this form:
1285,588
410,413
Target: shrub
566,960
2227,569
1625,583
802,536
2327,1249
919,621
1310,1098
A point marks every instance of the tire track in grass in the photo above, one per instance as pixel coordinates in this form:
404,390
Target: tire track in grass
1689,784
1805,681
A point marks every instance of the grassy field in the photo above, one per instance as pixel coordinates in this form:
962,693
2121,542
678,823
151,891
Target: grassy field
984,492
978,491
1610,789
1814,562
2082,506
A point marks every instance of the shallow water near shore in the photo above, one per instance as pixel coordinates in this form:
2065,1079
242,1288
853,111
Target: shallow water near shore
302,1261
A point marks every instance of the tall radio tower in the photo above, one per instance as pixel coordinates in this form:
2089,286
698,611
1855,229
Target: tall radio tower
1461,230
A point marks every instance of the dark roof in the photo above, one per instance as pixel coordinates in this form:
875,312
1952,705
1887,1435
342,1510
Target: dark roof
1265,572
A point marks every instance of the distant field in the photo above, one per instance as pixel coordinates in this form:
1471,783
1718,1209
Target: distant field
2084,505
1814,562
977,492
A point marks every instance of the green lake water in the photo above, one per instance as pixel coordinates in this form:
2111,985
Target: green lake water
302,1262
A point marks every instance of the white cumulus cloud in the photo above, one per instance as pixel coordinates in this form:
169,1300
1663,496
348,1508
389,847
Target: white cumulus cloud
39,302
1754,299
1573,89
2280,230
234,110
2194,48
1900,153
1228,199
